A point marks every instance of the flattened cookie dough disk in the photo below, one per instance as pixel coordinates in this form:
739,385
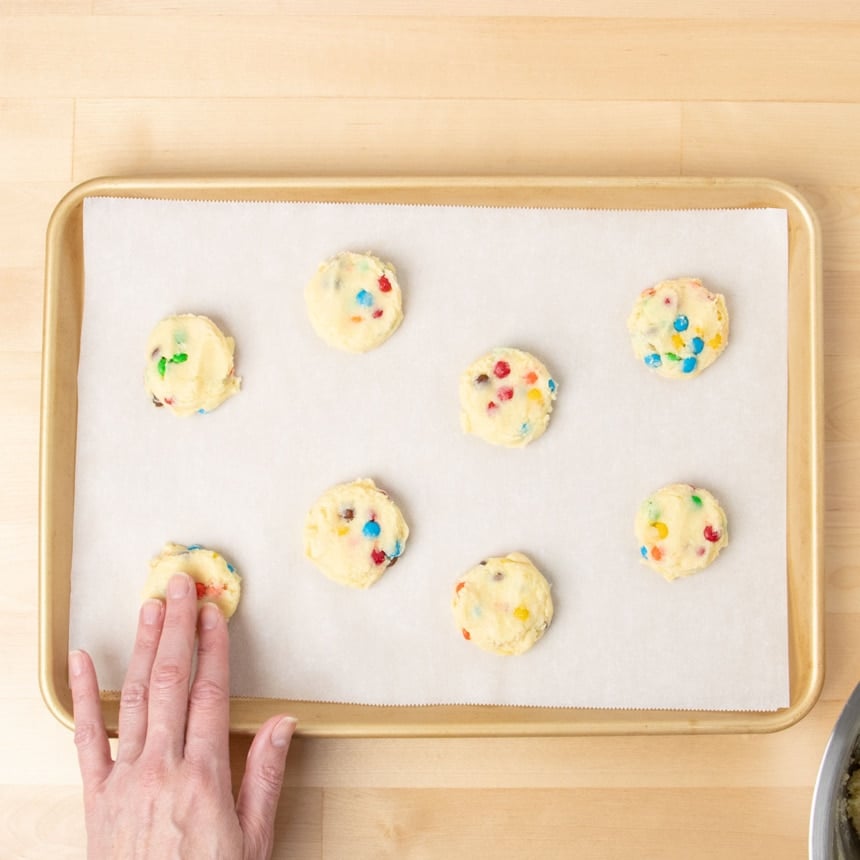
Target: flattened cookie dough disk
216,579
506,398
354,532
354,302
189,365
681,529
679,328
503,604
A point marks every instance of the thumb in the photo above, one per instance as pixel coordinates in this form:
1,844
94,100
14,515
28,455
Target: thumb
260,790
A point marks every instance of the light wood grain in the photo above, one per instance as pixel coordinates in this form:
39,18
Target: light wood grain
432,57
391,136
650,87
783,10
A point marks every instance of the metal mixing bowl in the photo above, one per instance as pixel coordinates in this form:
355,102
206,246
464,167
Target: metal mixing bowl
831,835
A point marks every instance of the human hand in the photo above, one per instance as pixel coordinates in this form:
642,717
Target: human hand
168,794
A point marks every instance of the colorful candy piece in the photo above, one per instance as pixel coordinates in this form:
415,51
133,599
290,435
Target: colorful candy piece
518,411
354,302
662,315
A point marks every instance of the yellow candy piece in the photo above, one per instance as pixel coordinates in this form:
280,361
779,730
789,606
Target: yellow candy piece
661,529
521,613
342,530
715,341
678,341
534,394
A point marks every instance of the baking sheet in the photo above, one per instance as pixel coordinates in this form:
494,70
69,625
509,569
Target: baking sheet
557,282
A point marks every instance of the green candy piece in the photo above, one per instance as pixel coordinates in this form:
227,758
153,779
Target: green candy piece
179,358
696,501
672,357
162,365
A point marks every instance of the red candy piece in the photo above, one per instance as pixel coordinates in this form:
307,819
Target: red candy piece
377,313
711,534
505,393
378,556
502,369
700,551
384,284
201,590
491,406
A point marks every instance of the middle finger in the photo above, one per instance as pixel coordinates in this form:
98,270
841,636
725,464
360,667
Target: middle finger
171,671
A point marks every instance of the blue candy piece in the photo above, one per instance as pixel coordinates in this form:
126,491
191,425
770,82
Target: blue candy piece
371,529
681,323
697,345
364,298
653,360
550,384
201,411
688,365
524,428
398,550
194,546
644,551
230,567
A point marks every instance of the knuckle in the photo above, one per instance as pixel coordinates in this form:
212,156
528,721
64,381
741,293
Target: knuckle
168,676
269,779
153,773
134,696
206,693
147,640
86,733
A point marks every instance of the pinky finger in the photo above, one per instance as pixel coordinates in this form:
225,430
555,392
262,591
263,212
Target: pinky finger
261,785
91,739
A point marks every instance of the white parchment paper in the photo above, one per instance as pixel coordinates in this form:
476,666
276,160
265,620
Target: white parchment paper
559,283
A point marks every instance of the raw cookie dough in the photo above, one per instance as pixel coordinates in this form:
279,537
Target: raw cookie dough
189,365
681,529
679,328
354,532
354,302
216,579
503,605
506,398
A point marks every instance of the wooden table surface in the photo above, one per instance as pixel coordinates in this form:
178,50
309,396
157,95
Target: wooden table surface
618,87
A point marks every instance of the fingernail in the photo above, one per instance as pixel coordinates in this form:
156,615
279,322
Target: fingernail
283,731
209,615
179,585
76,664
151,611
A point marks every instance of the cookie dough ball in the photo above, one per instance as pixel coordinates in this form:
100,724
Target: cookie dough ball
354,532
681,529
679,328
503,605
354,302
216,579
189,365
506,398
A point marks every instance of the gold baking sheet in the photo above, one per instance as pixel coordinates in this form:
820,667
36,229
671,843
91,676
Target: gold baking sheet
64,287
